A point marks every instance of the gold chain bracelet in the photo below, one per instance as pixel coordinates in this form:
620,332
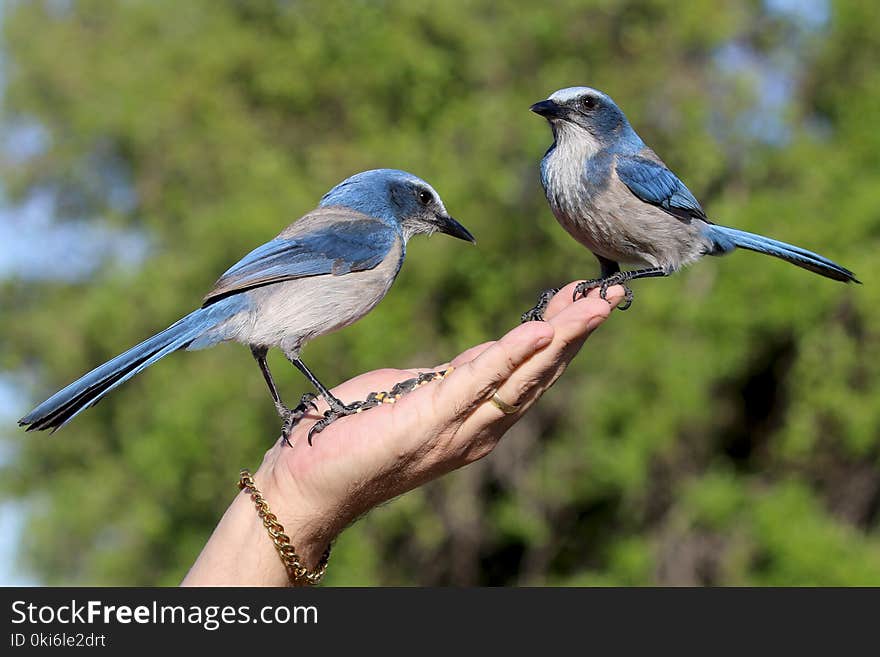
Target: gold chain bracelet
296,571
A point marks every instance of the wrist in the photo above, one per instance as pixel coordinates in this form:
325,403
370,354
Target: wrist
310,529
241,552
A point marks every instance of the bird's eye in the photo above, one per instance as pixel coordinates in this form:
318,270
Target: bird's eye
425,197
588,102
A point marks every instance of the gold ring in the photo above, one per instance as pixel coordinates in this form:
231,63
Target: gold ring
503,406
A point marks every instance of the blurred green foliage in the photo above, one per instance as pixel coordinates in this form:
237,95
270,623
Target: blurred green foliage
726,430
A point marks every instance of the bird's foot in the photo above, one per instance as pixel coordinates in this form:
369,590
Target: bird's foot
536,314
603,284
375,399
292,416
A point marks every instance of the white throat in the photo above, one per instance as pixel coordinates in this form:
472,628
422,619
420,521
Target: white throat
563,170
575,140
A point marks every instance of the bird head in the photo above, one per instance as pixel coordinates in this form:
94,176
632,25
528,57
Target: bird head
398,197
587,113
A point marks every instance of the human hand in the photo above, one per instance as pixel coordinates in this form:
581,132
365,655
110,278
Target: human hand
365,459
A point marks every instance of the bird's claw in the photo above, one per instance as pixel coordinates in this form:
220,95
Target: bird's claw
292,416
627,297
331,415
536,314
308,399
603,284
375,399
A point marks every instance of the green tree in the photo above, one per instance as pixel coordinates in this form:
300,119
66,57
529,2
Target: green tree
726,430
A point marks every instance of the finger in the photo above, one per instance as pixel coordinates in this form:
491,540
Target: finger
475,380
469,354
465,356
560,301
571,326
579,319
564,298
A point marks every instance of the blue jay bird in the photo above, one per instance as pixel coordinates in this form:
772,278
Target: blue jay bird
615,196
322,273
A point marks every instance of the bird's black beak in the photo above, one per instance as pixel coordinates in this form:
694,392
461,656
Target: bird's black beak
448,225
548,109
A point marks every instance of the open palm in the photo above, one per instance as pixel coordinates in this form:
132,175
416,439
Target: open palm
365,459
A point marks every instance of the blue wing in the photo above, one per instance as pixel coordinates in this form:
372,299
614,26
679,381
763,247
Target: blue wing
335,248
653,183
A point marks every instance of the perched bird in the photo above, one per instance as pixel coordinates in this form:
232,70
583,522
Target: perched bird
615,196
322,273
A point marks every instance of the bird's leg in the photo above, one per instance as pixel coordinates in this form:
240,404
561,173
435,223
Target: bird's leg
259,354
334,402
536,314
613,276
338,409
290,416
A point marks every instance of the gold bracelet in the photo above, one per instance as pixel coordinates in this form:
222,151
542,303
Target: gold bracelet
296,571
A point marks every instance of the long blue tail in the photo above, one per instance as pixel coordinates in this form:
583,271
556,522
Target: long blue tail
66,404
728,238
